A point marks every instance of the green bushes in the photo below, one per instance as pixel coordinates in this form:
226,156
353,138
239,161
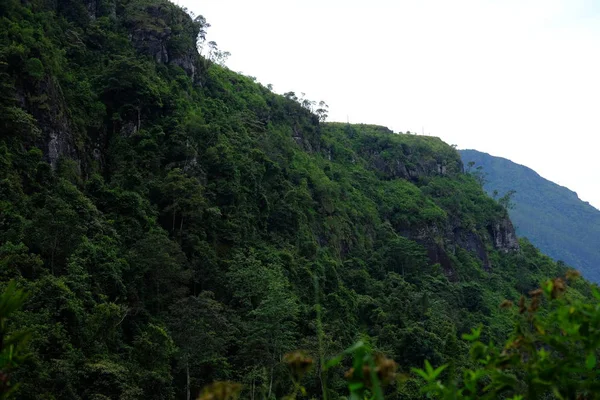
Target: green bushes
552,351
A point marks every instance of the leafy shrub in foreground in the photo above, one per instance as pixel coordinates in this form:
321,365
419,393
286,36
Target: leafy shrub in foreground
552,352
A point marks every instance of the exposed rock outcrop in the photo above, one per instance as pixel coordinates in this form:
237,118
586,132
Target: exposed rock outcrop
437,255
405,169
403,156
472,242
57,137
167,34
306,138
503,235
101,8
439,241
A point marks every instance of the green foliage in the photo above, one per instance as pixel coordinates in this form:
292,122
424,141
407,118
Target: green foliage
552,352
34,68
367,373
169,218
12,344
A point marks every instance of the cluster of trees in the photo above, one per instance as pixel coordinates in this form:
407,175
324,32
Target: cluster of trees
478,172
176,237
214,54
321,109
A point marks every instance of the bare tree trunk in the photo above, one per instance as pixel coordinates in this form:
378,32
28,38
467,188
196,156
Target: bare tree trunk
158,293
187,383
53,251
252,396
271,382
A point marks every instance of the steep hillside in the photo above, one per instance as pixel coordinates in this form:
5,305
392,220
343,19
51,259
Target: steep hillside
551,216
175,223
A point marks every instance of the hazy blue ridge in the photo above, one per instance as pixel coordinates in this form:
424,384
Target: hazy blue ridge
551,216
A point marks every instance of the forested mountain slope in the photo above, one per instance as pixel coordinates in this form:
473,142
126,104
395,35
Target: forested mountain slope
551,216
169,218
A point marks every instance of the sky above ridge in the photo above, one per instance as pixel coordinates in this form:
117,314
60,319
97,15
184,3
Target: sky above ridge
518,79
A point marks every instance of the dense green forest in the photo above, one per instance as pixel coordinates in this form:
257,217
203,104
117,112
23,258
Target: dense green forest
175,223
551,216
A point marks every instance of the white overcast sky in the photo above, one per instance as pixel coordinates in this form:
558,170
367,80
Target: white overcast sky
518,79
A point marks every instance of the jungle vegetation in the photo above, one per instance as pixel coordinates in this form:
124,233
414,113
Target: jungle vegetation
174,223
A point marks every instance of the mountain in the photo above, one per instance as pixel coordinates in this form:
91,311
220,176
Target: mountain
176,223
551,216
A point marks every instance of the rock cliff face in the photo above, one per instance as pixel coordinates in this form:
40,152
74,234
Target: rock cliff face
499,234
504,236
411,159
162,31
421,160
167,34
404,169
44,101
472,242
439,245
307,138
101,8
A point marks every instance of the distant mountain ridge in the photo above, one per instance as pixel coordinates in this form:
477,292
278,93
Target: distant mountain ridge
553,217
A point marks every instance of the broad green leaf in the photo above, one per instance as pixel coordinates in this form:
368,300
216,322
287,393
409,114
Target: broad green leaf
590,361
334,361
428,368
354,347
438,371
421,373
474,335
